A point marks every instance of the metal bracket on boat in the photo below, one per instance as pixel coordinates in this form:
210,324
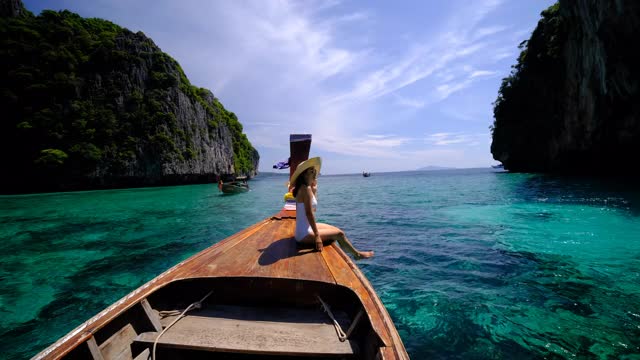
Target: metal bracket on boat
195,305
355,322
341,335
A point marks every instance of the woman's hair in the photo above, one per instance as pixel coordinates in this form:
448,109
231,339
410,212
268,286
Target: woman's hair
301,180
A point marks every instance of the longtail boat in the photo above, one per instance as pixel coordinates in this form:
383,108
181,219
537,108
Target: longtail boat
255,294
234,188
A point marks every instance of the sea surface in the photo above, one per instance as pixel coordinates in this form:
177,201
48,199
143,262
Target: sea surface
471,264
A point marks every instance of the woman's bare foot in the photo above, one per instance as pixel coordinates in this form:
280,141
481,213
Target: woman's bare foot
364,254
318,244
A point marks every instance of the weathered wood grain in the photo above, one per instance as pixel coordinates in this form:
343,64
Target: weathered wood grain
117,346
94,349
151,314
230,329
264,250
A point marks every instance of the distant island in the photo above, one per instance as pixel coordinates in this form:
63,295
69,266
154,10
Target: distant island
87,104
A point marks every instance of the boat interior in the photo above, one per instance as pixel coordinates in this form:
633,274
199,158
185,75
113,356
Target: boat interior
239,318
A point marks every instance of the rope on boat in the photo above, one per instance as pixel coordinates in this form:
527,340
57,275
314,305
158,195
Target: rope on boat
195,305
341,335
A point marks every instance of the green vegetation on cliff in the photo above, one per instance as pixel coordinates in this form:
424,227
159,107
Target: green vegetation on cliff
571,101
546,53
85,96
527,108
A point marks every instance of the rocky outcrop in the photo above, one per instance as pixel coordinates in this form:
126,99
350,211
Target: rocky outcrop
572,103
88,104
212,145
11,8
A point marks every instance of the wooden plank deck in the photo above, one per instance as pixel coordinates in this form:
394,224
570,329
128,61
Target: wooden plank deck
266,249
255,331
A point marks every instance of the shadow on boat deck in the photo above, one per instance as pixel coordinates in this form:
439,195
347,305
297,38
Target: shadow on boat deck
282,249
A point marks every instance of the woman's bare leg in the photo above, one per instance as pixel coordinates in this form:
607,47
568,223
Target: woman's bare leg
310,239
330,233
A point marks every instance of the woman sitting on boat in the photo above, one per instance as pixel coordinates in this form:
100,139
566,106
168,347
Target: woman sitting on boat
308,231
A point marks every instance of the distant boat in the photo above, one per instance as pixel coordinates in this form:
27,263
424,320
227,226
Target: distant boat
234,187
499,166
366,174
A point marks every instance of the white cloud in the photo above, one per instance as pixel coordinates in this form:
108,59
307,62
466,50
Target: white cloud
377,136
426,59
522,34
446,139
482,73
385,147
419,63
291,34
282,43
388,142
503,54
353,17
474,114
445,90
469,50
488,31
461,80
410,103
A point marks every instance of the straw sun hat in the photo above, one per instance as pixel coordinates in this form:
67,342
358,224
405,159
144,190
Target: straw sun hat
315,162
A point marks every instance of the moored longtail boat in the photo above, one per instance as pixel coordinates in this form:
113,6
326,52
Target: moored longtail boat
255,294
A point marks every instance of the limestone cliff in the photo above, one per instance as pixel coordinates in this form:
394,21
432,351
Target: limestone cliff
88,104
572,102
12,8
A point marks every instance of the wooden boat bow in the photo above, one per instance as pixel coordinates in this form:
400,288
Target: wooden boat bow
260,271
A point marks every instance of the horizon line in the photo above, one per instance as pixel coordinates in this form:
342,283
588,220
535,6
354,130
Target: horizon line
385,172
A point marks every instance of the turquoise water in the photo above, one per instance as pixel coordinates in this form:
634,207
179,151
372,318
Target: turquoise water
470,263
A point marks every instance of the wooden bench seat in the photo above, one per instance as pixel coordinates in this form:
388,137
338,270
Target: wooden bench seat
293,332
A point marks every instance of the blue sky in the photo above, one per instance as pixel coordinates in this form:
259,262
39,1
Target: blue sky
382,86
